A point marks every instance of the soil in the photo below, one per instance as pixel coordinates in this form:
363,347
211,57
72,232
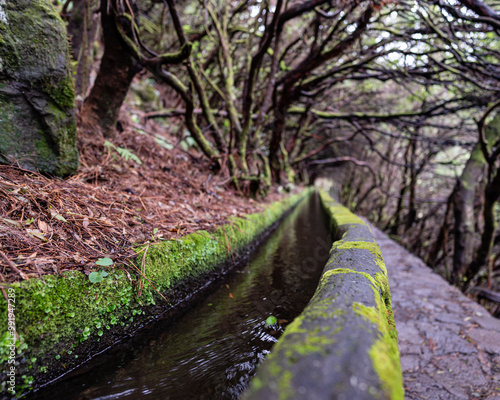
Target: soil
159,188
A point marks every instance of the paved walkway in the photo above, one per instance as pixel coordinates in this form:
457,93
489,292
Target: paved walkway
450,345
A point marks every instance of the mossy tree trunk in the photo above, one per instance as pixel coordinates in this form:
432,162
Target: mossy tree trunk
118,67
37,121
491,149
463,211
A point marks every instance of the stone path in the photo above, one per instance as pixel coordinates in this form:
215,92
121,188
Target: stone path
450,345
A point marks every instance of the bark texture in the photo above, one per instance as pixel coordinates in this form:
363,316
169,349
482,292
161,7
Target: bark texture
82,29
118,68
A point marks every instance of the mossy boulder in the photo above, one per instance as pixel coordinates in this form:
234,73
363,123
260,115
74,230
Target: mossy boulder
37,119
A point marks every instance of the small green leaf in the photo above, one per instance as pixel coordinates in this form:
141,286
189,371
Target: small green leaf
95,277
271,320
104,262
57,216
283,66
163,142
60,218
104,274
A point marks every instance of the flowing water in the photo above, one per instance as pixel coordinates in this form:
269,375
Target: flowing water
213,350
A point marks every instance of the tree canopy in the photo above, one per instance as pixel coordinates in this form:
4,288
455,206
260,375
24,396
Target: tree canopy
397,101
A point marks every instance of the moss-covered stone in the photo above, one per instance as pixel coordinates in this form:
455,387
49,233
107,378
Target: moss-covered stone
37,121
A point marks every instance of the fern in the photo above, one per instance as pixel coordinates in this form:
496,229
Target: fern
124,153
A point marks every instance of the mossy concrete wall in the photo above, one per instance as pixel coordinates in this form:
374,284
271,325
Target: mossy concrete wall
37,120
64,320
344,344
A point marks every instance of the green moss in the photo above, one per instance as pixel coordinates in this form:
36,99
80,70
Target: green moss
336,271
339,215
44,150
34,55
172,261
34,36
55,311
314,342
283,381
8,131
62,92
372,247
384,352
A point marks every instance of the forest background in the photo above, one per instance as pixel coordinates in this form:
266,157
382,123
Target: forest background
191,111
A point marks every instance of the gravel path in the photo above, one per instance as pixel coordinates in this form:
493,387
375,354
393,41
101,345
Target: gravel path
450,345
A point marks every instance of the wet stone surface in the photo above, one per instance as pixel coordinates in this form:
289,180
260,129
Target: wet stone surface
449,345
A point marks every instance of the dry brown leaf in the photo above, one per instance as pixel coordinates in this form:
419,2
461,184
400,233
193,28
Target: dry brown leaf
44,227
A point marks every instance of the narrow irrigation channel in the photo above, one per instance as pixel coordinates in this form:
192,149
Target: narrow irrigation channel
213,350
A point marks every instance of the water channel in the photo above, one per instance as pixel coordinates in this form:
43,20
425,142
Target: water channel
213,350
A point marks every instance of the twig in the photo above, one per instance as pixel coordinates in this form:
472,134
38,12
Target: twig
143,271
151,283
12,266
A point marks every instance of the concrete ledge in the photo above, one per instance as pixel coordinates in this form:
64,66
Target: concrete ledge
344,344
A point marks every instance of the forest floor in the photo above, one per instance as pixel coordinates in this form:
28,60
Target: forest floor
148,186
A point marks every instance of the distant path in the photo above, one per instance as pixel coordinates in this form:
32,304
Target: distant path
450,345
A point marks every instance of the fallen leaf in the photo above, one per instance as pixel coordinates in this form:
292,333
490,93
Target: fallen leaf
57,216
44,227
36,233
11,222
231,295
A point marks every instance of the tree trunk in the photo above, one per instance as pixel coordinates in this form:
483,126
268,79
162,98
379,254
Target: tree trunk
82,29
492,194
118,67
463,211
491,197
